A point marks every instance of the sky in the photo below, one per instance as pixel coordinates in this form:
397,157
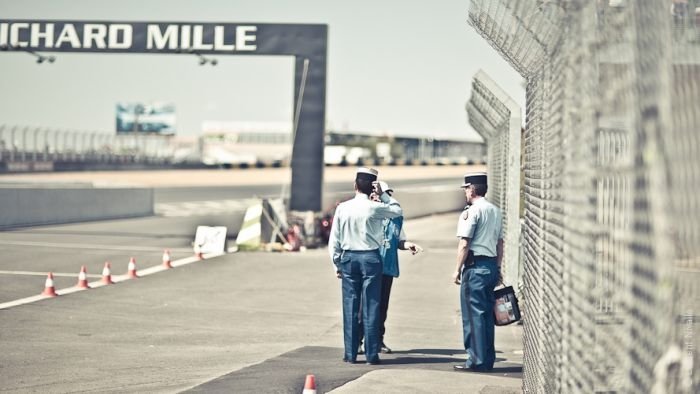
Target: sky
394,66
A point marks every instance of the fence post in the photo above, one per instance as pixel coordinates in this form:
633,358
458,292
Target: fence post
3,144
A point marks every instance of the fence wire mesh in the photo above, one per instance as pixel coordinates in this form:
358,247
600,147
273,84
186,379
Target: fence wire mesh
611,243
497,118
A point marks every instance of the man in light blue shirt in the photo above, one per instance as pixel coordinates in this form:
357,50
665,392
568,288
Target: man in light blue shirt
394,239
479,256
356,235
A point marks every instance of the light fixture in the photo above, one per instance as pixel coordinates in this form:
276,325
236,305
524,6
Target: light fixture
202,59
39,57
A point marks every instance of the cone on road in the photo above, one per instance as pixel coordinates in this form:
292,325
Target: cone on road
107,274
82,279
310,385
198,252
49,289
166,259
132,269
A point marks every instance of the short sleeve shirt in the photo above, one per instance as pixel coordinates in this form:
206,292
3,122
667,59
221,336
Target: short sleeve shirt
358,224
482,224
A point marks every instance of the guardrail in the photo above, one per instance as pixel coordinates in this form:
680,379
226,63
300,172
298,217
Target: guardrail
29,149
42,149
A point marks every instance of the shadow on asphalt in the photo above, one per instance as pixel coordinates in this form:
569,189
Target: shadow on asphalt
286,373
443,352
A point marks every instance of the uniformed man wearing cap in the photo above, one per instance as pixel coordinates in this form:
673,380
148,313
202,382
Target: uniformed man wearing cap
394,239
479,255
354,242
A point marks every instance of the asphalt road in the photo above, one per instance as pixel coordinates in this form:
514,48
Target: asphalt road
248,322
29,253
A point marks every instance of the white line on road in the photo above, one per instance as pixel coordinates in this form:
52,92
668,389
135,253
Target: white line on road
45,273
92,246
115,279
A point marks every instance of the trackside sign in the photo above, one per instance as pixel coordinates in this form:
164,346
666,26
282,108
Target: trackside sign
163,37
111,36
307,43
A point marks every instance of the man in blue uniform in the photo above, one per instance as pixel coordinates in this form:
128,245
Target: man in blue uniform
394,239
354,242
479,256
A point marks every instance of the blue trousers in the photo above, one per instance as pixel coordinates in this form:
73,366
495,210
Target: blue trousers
477,300
387,280
362,282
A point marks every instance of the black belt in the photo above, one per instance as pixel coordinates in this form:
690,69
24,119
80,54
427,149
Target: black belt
361,251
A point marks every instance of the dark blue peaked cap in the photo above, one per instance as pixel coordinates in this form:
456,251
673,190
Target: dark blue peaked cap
475,178
367,173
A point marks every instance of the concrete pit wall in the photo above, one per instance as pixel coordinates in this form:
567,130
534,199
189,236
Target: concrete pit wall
31,205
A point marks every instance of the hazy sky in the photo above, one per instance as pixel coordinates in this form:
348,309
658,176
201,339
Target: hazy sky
396,66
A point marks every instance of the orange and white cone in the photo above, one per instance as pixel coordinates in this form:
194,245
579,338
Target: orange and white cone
310,385
82,279
198,252
166,259
49,289
132,269
107,274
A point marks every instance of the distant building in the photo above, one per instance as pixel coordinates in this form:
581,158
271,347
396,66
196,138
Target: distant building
236,143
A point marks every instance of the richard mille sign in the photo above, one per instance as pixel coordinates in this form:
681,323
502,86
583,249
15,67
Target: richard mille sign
125,36
307,43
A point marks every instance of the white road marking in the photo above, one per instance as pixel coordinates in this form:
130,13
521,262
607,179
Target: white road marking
115,279
45,273
199,208
91,246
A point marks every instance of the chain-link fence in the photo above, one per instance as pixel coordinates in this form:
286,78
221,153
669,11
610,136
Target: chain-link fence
497,118
611,242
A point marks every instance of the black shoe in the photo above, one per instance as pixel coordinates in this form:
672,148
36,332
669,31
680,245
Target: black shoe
361,349
385,349
347,360
464,368
374,362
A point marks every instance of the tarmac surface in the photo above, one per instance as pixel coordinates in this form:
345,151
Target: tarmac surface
251,322
221,177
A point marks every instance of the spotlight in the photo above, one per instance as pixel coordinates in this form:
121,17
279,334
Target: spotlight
39,57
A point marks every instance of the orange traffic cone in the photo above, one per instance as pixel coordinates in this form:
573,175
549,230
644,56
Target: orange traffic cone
132,269
82,279
49,290
166,259
107,274
310,385
198,252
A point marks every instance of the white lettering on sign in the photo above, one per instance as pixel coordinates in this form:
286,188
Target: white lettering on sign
14,34
219,44
245,34
192,37
3,33
158,40
101,36
94,33
68,35
197,39
117,31
46,35
185,37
